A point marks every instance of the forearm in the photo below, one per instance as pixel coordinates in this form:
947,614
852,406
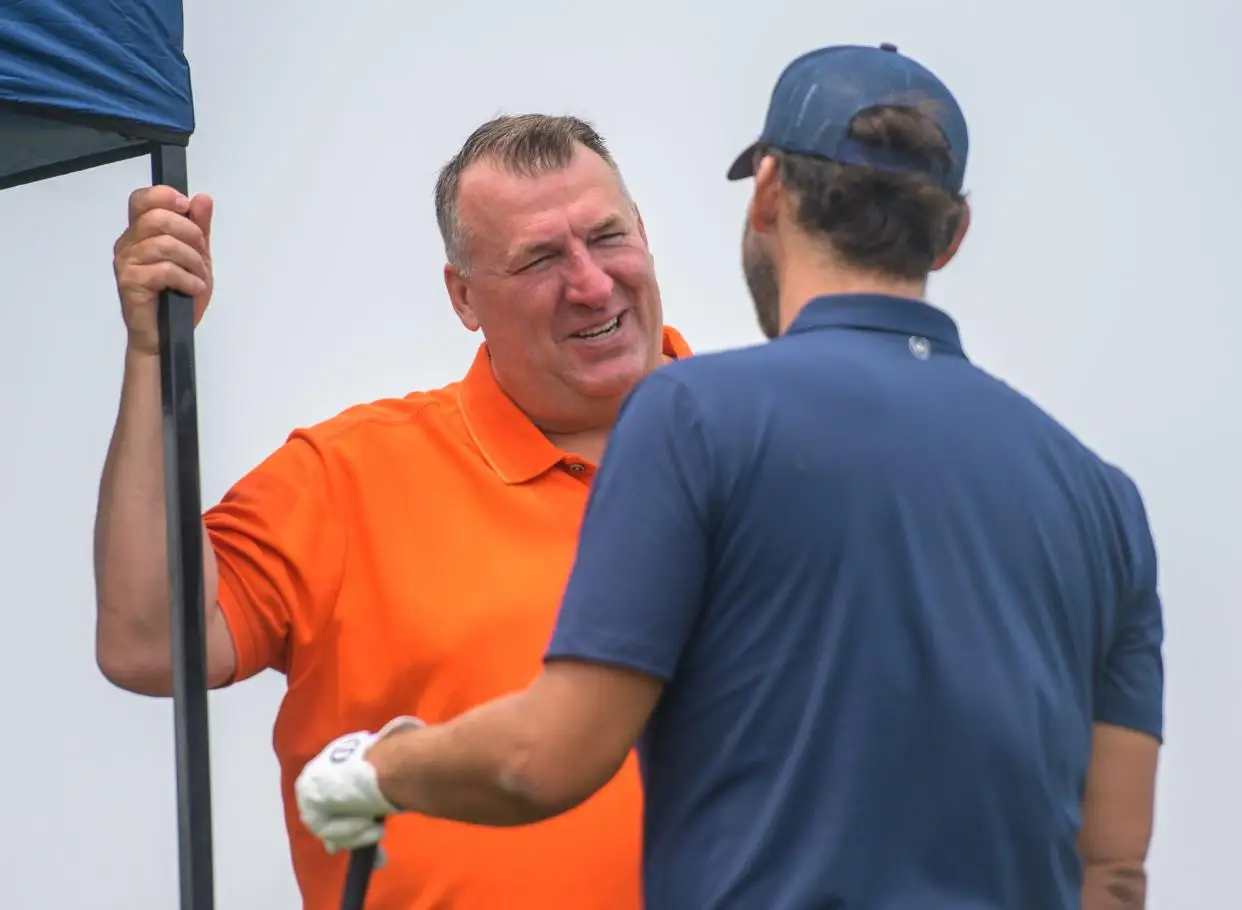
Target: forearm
470,769
131,568
1114,886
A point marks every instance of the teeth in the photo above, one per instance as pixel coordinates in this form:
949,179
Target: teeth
604,329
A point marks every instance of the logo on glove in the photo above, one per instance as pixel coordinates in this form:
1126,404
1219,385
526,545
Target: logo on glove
344,750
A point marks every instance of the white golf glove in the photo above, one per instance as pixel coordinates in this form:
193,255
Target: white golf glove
338,794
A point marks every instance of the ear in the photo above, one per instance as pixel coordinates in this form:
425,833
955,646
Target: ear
459,294
764,208
962,227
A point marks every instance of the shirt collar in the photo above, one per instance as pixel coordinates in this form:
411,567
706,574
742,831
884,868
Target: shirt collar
879,313
510,442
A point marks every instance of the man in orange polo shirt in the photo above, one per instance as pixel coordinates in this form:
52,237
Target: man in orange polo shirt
374,558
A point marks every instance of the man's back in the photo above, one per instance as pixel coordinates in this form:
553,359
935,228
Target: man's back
923,592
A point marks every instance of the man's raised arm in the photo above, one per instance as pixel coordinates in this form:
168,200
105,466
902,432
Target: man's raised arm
166,246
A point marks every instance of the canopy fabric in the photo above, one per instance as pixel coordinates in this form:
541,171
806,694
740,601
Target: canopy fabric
85,82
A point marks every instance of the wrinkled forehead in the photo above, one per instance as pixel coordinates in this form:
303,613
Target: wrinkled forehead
507,213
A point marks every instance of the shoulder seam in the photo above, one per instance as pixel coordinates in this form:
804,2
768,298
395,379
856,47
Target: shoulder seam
333,428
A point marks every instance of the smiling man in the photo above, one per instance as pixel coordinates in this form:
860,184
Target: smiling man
878,621
408,555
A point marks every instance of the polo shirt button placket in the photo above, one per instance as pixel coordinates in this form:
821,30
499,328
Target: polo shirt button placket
584,472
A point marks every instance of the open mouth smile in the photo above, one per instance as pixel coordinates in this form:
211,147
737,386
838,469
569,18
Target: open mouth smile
601,331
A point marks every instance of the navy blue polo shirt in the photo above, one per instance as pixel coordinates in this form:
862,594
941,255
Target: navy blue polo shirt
888,595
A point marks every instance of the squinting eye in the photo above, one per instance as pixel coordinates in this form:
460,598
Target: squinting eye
612,236
534,262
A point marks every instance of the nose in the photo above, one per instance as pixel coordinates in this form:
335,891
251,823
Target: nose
585,282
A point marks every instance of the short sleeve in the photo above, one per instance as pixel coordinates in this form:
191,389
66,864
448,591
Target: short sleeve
637,583
279,550
1131,689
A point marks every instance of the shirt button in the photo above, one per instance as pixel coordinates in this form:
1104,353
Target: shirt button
577,467
920,347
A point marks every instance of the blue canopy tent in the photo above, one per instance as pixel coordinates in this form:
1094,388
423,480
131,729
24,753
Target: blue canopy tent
84,83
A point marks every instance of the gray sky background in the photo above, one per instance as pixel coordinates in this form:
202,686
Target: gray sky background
1096,278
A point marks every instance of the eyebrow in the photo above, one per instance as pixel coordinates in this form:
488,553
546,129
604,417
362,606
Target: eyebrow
533,251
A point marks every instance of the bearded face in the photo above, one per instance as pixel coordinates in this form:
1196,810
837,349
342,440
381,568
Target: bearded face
762,280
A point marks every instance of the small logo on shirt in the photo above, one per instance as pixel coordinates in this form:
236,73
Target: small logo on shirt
920,347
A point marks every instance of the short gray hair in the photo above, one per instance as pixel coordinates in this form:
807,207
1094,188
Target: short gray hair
524,144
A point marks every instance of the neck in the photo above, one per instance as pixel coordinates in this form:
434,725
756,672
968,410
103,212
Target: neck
587,432
810,276
581,429
588,444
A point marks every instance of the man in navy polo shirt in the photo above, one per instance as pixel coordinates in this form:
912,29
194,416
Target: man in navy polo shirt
887,635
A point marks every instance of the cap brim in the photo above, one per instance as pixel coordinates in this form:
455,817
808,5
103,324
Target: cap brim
744,166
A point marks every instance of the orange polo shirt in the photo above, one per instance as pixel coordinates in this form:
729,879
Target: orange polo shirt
408,557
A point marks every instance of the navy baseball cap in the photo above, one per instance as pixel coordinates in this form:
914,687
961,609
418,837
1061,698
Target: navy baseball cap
818,95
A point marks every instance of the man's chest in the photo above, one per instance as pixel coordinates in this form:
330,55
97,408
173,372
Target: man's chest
451,607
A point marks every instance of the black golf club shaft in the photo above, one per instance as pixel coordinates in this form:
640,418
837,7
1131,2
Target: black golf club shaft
361,862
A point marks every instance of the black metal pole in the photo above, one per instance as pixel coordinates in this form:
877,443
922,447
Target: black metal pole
185,569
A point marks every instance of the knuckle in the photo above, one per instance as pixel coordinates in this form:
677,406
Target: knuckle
139,203
163,250
153,221
140,284
165,222
134,278
128,273
164,246
169,273
124,243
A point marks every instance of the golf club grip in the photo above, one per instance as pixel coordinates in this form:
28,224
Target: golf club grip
361,862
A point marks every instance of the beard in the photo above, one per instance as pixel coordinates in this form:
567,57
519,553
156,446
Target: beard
762,280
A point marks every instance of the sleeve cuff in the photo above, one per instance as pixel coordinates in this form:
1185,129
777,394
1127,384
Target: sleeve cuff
241,630
621,658
1133,720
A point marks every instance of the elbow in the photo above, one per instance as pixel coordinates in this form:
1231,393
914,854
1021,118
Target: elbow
139,659
1114,885
530,803
539,791
135,670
